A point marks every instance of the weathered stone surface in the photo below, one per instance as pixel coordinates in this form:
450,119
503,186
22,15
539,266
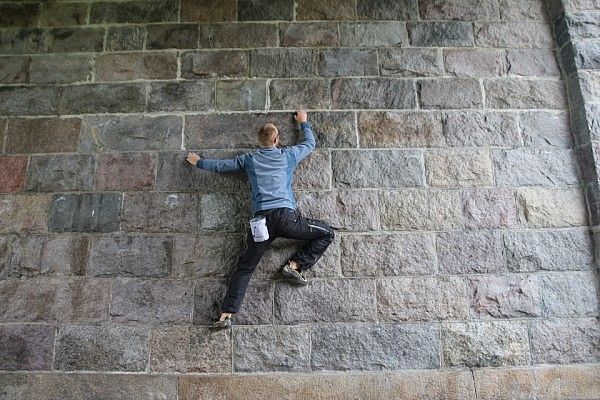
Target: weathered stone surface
388,255
14,69
208,296
586,123
311,10
450,93
54,300
489,208
417,209
130,133
64,172
589,84
311,34
532,62
510,296
514,34
298,93
241,95
535,167
334,129
373,34
235,35
224,212
208,10
26,347
478,128
485,344
101,348
23,41
134,12
369,93
560,250
102,98
263,10
570,294
565,341
209,64
314,172
125,37
160,212
580,25
374,347
345,210
126,171
421,299
86,212
265,349
66,14
283,63
24,214
12,173
151,301
459,10
206,256
140,256
458,168
325,301
28,100
440,34
334,62
45,255
544,129
540,207
410,62
387,9
172,36
131,66
66,40
42,135
61,68
19,14
474,63
569,381
519,10
400,129
189,349
467,252
505,384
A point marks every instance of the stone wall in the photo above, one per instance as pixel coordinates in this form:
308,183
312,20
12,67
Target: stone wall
464,262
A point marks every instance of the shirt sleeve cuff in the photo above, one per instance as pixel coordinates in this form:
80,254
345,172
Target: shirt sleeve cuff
305,124
199,163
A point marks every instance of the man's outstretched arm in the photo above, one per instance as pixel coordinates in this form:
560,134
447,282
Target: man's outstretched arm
233,164
308,144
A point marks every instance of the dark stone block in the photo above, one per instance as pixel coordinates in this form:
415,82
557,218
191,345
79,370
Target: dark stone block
177,36
26,347
208,10
15,15
373,93
130,66
410,62
466,10
450,93
208,64
334,129
208,295
264,10
182,96
63,40
102,98
160,212
87,212
126,171
308,34
28,100
241,95
235,35
23,41
12,174
64,172
122,38
61,68
43,135
63,14
311,10
440,34
134,11
403,10
347,62
14,69
283,63
291,94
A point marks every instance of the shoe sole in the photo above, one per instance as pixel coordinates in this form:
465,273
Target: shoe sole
220,325
293,277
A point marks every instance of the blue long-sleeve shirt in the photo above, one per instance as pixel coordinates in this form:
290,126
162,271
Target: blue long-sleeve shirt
270,170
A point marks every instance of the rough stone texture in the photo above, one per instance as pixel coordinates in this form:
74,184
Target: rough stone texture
206,256
572,294
55,173
474,63
485,344
125,171
314,172
368,93
505,296
539,207
24,214
370,34
452,168
459,10
565,341
160,212
325,10
181,96
514,34
134,12
123,67
86,212
139,256
334,62
229,212
410,62
450,93
28,100
283,63
522,93
440,34
64,40
489,208
480,129
470,252
298,93
101,348
26,347
400,129
388,255
374,347
209,64
123,38
247,35
505,383
545,129
178,36
42,135
61,69
532,62
12,174
311,34
14,69
569,381
241,95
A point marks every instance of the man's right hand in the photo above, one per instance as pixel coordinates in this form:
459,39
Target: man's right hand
300,116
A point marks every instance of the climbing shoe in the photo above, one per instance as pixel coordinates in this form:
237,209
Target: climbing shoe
218,325
294,276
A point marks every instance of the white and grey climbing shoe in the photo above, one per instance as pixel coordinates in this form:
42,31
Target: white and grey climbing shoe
294,276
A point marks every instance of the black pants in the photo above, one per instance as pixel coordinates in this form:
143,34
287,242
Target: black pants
281,222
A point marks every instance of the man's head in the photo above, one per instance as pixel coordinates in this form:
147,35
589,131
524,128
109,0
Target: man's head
268,135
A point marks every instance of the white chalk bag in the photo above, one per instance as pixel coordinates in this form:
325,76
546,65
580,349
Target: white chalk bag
258,226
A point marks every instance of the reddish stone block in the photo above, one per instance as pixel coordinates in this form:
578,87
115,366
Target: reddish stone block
42,135
126,171
12,173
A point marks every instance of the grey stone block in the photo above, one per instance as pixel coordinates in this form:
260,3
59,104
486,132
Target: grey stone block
560,250
19,14
586,54
151,301
266,349
102,98
14,69
138,256
26,347
54,300
130,133
565,341
570,294
224,212
387,9
440,34
310,10
480,129
458,168
126,171
347,62
367,93
86,212
55,14
79,39
210,64
468,252
291,94
208,295
262,10
373,34
42,135
206,256
55,173
532,62
172,36
580,25
530,34
283,63
241,95
133,66
421,299
325,301
134,12
523,10
29,100
388,255
314,172
545,129
101,348
160,212
188,349
489,208
334,129
208,10
181,96
236,35
589,84
450,93
374,347
24,214
61,68
521,93
459,10
125,37
475,63
418,209
377,168
545,208
586,123
400,129
23,41
510,296
410,62
311,34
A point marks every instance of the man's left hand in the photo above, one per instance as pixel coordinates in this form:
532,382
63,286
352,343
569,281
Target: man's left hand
192,158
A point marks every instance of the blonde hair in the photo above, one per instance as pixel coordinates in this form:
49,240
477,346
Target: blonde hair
266,134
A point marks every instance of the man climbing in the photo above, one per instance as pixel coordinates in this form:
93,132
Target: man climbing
270,170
